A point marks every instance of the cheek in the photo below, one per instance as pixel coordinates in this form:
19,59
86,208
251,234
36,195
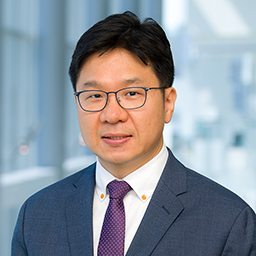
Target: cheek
87,127
156,120
148,123
81,120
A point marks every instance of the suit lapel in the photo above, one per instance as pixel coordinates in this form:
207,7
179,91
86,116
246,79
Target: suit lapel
79,214
164,208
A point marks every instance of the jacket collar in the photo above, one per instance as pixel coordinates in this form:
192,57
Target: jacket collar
163,209
79,213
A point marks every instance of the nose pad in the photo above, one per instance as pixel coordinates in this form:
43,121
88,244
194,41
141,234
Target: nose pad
114,99
118,99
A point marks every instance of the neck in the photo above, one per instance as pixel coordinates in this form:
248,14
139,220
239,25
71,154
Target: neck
121,170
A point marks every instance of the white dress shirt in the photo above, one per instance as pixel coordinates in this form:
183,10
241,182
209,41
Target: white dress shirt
143,182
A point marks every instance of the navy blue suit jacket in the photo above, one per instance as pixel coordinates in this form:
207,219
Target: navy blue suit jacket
188,215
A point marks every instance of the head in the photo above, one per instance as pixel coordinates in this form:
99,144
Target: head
146,40
116,53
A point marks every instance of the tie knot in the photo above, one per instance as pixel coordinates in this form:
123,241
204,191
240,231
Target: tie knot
118,189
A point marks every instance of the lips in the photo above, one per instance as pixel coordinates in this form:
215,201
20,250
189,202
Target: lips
116,139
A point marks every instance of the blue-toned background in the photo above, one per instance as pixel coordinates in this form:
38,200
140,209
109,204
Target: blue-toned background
214,126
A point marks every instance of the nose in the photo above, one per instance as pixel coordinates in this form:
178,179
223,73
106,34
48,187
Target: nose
113,112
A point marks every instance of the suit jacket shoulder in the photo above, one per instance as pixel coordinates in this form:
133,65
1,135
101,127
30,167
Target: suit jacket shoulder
65,186
190,214
57,219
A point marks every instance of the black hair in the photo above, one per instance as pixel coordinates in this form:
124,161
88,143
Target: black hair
147,40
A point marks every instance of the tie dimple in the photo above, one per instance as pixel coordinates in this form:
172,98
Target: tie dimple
113,230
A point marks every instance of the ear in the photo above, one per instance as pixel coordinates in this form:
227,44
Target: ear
170,98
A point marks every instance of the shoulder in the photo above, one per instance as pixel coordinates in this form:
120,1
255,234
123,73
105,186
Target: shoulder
209,190
211,212
199,189
62,189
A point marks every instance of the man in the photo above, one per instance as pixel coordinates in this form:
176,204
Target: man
122,73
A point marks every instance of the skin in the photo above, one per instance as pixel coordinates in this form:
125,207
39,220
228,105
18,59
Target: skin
123,140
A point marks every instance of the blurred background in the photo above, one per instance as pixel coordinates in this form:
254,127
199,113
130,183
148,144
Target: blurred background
214,126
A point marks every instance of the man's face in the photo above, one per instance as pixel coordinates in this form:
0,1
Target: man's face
123,140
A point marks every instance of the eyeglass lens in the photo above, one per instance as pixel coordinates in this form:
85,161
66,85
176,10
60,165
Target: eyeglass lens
128,98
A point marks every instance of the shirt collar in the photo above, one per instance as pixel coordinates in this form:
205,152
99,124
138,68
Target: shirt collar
143,181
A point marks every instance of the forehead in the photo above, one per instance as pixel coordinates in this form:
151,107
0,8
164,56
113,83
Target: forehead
115,56
116,66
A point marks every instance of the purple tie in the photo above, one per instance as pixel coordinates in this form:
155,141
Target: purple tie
113,230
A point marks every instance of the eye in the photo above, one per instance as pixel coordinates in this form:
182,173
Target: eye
93,96
96,96
132,93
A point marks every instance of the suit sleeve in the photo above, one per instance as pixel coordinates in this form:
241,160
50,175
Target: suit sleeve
242,237
18,243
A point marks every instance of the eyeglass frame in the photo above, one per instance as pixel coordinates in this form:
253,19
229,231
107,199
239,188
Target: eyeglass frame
146,89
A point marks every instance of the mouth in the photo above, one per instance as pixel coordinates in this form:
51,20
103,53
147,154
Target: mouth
116,139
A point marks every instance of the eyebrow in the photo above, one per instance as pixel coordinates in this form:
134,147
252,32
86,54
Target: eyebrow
90,84
125,82
132,80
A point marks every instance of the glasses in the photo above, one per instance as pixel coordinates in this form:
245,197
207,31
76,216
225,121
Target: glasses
127,98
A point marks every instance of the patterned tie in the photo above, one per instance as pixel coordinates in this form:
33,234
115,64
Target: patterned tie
113,230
